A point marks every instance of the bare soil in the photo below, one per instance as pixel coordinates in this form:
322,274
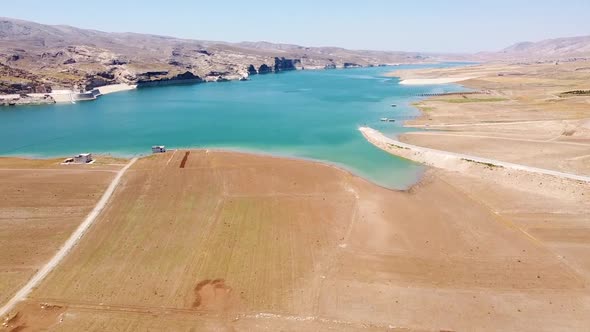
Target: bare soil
243,242
41,203
531,121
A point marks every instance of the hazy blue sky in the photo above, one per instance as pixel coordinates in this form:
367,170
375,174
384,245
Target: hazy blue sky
424,25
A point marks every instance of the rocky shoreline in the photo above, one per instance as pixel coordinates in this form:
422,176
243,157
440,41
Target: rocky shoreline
155,78
24,99
41,59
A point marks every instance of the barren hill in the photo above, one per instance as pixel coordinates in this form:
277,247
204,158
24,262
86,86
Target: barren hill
37,57
549,49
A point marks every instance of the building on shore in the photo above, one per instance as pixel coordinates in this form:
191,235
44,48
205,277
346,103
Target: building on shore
83,158
158,149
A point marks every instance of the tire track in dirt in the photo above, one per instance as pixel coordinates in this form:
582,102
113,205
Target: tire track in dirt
184,159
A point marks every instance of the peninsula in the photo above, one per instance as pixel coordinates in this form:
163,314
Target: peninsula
426,197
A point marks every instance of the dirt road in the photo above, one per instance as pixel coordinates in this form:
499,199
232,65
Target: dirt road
68,245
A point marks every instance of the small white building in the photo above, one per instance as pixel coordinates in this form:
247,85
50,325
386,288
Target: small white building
83,158
158,149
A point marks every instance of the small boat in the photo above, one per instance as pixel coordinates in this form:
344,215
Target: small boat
393,105
387,120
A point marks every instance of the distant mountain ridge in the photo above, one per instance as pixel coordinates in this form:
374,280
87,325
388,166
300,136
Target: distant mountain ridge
47,57
556,48
40,58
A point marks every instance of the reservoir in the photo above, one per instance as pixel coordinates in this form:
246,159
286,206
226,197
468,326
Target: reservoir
304,114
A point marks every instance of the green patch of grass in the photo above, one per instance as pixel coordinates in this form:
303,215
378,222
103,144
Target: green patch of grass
474,100
423,107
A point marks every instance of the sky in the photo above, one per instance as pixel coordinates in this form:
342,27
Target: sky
424,25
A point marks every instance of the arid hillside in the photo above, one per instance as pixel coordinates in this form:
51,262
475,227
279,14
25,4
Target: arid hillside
40,58
548,50
37,58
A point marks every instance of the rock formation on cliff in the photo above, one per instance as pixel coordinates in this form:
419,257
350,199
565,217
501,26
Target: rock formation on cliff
36,58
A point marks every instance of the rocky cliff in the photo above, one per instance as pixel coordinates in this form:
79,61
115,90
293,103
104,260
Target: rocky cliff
24,99
282,64
37,58
18,81
163,78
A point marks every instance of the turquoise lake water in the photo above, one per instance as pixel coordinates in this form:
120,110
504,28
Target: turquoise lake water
308,114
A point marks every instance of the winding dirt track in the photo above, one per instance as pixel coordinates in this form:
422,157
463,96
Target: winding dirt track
68,245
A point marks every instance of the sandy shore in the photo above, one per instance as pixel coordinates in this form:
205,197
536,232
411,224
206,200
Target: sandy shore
115,88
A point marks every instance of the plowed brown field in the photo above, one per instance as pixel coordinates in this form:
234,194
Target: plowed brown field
243,242
41,203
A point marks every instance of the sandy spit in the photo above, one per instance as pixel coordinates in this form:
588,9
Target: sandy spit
431,81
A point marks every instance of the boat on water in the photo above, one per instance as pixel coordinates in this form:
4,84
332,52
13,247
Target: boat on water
387,120
393,105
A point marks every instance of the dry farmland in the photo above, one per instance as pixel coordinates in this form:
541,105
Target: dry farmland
41,203
243,242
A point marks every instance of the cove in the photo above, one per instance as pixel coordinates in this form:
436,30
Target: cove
304,114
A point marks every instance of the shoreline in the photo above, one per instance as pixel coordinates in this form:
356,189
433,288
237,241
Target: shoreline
62,96
433,81
125,87
522,104
451,230
70,96
453,161
475,236
114,88
258,153
470,161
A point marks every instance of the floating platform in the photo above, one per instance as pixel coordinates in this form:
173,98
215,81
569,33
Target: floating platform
387,120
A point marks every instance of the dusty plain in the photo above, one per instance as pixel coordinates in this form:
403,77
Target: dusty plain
41,203
237,242
525,117
534,114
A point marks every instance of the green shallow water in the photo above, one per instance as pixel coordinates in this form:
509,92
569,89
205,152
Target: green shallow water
307,114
